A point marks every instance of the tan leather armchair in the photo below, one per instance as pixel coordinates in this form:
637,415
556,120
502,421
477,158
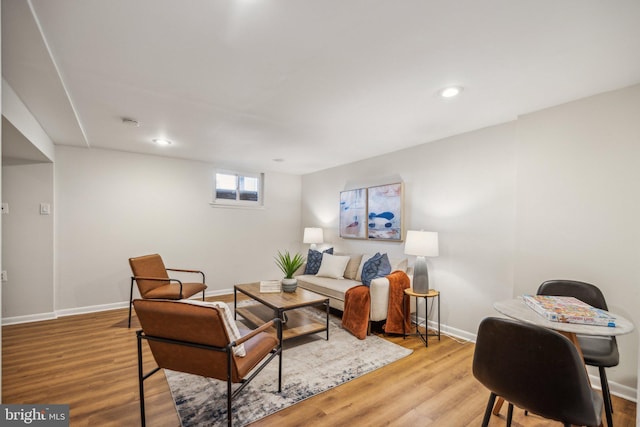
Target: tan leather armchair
193,338
154,282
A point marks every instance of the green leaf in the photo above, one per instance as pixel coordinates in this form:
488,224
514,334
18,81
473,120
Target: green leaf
288,263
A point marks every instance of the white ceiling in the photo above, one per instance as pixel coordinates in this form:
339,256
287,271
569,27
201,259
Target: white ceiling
317,83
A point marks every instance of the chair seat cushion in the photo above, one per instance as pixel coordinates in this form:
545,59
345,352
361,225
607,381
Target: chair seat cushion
599,351
172,291
257,348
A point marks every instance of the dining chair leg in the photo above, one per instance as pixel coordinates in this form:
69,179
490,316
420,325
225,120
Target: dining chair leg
487,412
509,414
606,396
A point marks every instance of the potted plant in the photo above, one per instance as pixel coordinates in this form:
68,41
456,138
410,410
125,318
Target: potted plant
289,264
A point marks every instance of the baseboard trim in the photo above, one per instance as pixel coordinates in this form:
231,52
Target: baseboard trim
85,310
28,318
616,389
92,309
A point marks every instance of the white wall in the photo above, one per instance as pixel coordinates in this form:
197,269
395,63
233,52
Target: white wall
578,206
554,194
113,205
462,187
27,240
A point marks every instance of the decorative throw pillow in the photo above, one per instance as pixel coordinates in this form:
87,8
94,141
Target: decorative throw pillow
364,259
333,266
369,268
314,259
385,266
227,320
352,267
399,264
376,266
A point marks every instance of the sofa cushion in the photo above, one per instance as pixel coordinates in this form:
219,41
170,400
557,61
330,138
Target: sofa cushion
376,266
333,266
351,270
332,288
314,259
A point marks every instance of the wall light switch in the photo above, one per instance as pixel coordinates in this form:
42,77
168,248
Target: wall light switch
5,208
45,209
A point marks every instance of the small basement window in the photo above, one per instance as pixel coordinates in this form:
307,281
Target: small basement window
238,189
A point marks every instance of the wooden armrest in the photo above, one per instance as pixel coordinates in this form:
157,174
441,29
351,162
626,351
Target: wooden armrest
256,331
183,270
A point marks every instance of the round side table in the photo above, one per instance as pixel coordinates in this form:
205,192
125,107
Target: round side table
431,293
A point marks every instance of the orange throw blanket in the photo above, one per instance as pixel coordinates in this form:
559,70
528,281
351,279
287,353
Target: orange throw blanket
398,282
357,302
355,317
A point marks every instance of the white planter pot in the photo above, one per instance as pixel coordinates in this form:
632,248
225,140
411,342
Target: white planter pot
289,285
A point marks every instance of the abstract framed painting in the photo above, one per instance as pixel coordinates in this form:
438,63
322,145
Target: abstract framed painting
384,212
353,214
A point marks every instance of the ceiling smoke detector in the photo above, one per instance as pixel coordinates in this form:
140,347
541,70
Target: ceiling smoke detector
130,122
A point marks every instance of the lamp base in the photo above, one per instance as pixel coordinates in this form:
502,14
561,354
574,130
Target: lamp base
420,276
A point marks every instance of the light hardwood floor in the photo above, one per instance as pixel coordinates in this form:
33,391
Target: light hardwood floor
89,362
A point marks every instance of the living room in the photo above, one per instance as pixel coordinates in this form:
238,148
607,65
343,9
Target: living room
546,194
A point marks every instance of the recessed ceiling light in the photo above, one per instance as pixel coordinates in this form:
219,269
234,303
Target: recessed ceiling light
451,91
278,160
161,141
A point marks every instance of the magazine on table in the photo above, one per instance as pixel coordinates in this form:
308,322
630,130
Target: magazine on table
270,286
568,310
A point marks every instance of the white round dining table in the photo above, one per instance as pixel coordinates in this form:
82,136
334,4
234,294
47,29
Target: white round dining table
517,309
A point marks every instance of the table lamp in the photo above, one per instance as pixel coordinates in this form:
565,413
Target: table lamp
312,235
421,244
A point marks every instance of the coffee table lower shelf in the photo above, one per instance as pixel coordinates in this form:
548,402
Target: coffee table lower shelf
297,323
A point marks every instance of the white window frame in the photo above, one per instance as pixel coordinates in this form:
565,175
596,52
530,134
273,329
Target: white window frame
237,202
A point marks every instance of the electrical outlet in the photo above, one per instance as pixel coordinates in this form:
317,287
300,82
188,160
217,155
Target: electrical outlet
5,208
3,276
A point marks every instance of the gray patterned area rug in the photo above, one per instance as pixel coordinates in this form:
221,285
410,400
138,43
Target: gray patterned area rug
310,365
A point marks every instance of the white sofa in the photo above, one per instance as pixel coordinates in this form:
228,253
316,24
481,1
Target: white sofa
335,288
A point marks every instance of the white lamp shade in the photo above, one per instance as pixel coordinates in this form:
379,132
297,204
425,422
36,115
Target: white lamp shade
313,235
421,243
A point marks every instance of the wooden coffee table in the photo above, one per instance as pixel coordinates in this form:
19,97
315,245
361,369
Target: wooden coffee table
283,305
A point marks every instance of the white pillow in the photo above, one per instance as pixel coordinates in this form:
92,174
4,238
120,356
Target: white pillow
227,320
333,266
399,264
